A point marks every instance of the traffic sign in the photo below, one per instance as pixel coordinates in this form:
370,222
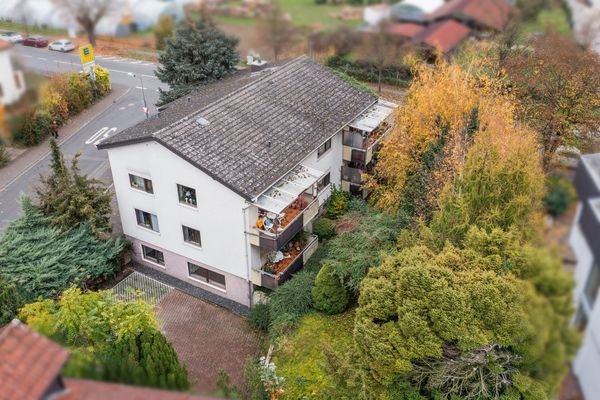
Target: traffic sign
86,54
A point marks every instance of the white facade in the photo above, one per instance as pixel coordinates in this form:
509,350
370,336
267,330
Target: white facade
584,242
586,365
218,216
260,241
12,81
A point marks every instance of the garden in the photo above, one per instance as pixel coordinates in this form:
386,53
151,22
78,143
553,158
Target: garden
440,286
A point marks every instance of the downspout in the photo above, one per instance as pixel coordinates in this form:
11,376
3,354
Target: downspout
248,267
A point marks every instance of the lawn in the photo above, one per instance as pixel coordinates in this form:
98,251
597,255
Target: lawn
303,358
307,13
553,19
235,21
22,28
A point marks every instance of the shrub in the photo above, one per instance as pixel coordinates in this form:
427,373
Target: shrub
79,94
559,196
10,301
260,317
292,299
254,387
102,80
368,71
53,104
338,203
144,359
329,294
43,261
37,127
4,156
225,389
324,228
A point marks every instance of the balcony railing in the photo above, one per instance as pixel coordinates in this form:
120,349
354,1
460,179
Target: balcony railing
283,233
273,280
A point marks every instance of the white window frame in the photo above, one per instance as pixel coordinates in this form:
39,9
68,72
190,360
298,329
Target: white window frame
164,265
325,147
195,244
207,283
153,219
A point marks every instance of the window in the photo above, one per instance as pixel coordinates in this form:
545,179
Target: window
324,148
187,195
137,182
191,235
146,220
592,285
323,182
206,275
153,255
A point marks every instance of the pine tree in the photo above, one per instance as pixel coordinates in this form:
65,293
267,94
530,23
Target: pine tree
198,54
10,301
69,198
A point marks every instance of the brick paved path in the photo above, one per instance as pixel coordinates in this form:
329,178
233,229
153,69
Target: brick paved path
207,338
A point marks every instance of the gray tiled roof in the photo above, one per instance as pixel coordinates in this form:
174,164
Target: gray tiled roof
261,125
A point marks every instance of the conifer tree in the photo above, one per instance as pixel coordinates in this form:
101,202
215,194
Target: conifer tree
199,54
69,198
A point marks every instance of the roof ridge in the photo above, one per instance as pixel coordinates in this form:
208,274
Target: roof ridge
276,71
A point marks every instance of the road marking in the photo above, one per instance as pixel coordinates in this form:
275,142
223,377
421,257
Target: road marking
99,136
135,62
127,72
122,108
42,58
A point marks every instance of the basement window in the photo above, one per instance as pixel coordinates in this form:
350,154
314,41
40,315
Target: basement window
153,255
206,276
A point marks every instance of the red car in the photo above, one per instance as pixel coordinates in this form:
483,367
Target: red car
35,41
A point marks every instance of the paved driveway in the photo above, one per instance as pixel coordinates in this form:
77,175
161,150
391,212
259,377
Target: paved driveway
207,338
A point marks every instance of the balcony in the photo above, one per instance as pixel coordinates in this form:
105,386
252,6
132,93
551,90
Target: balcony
363,139
284,210
283,264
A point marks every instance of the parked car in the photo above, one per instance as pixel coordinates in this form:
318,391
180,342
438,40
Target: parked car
35,41
13,37
63,45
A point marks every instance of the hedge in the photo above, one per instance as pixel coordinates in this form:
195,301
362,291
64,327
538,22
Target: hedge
62,97
367,71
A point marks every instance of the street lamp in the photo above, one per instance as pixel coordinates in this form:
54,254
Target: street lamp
143,92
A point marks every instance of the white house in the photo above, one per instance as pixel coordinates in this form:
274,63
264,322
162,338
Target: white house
221,188
12,81
586,246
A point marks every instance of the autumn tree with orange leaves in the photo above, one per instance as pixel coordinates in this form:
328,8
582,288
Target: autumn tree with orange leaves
445,110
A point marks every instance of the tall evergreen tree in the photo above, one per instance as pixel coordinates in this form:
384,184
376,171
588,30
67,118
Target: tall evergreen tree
199,54
69,198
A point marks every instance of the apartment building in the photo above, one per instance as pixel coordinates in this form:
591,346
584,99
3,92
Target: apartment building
586,246
220,190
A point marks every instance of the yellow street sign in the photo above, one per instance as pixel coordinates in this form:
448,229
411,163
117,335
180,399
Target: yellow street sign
86,54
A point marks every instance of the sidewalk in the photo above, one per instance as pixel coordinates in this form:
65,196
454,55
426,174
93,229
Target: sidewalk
23,161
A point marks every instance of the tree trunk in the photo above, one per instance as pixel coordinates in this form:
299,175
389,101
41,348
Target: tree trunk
90,30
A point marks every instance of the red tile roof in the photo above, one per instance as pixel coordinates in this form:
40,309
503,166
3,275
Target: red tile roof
405,29
445,35
492,14
29,362
82,389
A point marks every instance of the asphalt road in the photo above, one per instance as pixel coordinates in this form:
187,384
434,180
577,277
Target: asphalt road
126,111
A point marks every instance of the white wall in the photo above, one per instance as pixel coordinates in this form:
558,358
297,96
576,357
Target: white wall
328,162
8,76
587,361
218,215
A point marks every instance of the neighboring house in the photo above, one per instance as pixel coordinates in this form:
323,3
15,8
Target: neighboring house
12,81
450,23
584,240
30,366
221,188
